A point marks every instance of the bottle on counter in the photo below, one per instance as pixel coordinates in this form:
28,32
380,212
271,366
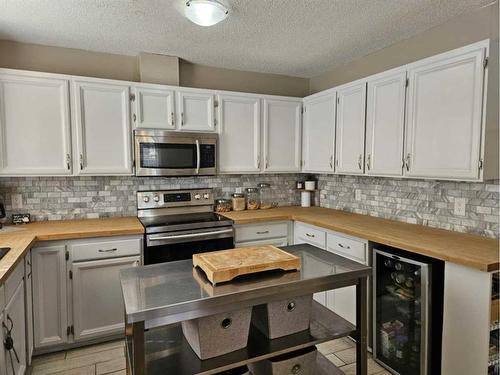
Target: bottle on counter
238,200
253,198
265,196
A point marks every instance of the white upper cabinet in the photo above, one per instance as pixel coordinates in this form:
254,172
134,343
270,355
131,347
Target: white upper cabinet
282,135
102,121
350,129
195,111
385,118
319,133
239,134
34,125
154,107
445,98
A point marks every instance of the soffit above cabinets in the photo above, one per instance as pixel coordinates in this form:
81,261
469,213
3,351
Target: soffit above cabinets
299,38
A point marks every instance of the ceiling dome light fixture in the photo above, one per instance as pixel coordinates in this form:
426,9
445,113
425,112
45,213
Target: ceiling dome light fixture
205,12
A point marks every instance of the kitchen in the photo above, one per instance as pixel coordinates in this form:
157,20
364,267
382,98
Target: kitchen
368,149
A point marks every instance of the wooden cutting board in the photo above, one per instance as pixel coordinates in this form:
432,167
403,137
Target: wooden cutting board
225,265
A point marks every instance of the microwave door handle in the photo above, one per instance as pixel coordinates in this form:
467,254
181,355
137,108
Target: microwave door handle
197,156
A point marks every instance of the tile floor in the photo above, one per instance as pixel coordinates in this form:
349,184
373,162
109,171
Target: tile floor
109,359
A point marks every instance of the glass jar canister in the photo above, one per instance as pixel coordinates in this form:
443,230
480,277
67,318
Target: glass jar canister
222,205
238,200
253,198
265,196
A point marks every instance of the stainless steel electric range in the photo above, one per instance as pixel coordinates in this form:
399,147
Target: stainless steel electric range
180,223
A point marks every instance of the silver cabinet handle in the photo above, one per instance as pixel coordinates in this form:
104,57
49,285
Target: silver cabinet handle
331,161
407,162
197,156
182,118
172,117
134,117
108,250
368,161
258,162
68,162
81,161
263,232
310,235
344,247
267,163
360,161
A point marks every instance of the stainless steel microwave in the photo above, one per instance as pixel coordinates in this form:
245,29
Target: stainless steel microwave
169,153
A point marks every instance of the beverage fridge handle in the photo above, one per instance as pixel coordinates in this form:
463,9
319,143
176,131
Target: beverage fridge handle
197,156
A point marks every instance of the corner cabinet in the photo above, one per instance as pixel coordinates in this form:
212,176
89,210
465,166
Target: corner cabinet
35,131
445,120
385,121
153,107
102,127
350,129
282,135
318,134
195,110
239,134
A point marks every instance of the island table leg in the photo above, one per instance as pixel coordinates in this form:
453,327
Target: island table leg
361,328
136,331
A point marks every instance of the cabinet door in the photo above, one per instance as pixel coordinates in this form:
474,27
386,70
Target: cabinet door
97,297
50,317
350,130
445,97
154,108
196,111
319,134
102,118
282,135
239,134
385,117
29,306
3,367
34,126
15,320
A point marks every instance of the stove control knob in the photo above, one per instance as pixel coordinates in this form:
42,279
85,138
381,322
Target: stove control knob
197,197
206,196
145,199
156,198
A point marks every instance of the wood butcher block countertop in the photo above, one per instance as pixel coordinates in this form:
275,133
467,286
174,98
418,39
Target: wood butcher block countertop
469,250
21,238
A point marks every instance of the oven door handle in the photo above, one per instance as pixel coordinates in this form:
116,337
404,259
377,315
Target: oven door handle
197,157
191,235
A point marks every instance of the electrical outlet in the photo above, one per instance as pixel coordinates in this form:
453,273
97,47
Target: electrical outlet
357,194
17,201
460,206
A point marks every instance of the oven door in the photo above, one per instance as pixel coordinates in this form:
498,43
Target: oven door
172,246
159,153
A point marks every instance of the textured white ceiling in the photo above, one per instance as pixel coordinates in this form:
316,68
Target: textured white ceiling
293,37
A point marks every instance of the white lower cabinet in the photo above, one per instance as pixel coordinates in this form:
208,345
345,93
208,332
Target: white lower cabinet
272,233
78,297
97,297
28,291
3,368
50,314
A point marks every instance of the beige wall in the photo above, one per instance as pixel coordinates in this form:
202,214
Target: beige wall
105,65
192,75
67,61
462,30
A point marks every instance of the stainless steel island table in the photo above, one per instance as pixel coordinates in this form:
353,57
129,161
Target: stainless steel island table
158,297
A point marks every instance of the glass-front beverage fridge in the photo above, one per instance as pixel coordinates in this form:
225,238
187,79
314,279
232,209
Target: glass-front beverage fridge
407,313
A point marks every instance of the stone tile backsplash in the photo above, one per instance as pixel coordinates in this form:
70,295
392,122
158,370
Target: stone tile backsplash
423,202
56,198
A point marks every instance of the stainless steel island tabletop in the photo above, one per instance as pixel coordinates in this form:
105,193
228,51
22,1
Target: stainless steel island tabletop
172,292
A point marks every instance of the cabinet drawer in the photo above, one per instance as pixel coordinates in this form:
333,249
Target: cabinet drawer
280,241
13,281
263,231
105,248
309,234
348,247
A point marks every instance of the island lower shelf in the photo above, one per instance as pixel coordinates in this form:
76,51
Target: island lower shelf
166,350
